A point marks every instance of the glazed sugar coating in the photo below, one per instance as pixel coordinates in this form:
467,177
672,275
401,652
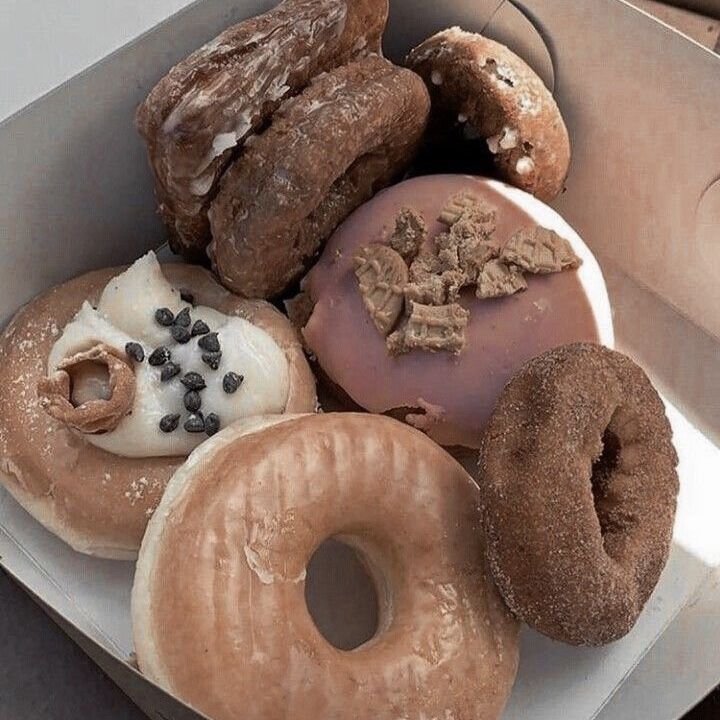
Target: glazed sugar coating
197,116
478,81
350,133
578,485
233,536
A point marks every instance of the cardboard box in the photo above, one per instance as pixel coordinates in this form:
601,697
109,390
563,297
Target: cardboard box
641,104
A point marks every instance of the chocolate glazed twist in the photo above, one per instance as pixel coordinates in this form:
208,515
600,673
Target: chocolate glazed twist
350,133
198,116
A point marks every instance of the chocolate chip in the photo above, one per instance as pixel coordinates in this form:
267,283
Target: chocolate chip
193,381
192,400
212,423
169,371
180,334
135,351
183,318
231,382
212,359
164,316
168,423
200,328
210,342
159,356
195,423
187,296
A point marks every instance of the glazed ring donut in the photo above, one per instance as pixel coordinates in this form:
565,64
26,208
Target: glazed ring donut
96,501
198,115
327,151
578,482
262,496
478,81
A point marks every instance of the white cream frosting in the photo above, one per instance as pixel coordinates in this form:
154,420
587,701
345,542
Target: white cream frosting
125,313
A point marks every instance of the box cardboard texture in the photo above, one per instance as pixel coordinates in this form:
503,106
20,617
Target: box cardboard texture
641,103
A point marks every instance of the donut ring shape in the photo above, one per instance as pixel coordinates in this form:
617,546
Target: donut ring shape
198,115
478,81
234,534
578,482
98,502
350,133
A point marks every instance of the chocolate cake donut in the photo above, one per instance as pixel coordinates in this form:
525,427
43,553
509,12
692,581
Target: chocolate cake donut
482,85
578,477
199,114
349,134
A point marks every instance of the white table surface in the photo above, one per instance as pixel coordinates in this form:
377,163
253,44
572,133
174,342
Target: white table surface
45,42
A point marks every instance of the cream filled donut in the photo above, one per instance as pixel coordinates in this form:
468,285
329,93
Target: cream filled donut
219,612
443,366
109,381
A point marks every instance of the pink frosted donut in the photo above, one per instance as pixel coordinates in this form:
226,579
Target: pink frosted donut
449,396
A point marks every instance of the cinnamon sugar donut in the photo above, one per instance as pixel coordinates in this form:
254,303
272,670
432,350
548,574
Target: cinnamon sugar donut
219,612
198,116
350,133
482,84
578,488
70,452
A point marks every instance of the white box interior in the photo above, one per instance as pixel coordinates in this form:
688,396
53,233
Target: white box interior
75,194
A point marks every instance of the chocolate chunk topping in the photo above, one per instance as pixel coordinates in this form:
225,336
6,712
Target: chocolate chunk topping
164,317
192,400
212,359
135,351
199,328
212,423
168,423
159,356
183,318
187,296
231,382
194,423
210,342
180,334
193,381
169,371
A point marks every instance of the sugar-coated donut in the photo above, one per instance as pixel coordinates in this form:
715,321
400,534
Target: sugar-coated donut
484,86
199,115
96,500
219,612
349,134
448,395
578,489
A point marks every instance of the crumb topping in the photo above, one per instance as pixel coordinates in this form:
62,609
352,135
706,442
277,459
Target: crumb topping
382,275
412,293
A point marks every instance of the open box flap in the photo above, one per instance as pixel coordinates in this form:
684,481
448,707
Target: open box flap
75,193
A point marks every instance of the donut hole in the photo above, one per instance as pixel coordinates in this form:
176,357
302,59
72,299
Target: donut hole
89,380
341,594
602,473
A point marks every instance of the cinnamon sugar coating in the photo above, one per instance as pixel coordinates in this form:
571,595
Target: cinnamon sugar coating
578,484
